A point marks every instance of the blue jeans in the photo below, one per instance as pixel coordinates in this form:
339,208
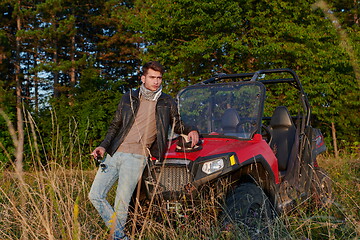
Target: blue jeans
127,168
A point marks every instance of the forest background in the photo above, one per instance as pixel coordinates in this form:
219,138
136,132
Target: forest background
65,64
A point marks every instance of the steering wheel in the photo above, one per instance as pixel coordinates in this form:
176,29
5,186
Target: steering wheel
266,134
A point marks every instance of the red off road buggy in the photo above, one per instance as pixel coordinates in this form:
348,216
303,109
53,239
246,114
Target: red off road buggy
257,146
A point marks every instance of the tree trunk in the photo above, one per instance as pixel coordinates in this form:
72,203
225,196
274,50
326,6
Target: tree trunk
356,17
72,71
56,75
55,60
19,145
333,132
19,115
36,87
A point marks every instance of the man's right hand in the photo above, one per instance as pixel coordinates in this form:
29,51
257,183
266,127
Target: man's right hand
99,151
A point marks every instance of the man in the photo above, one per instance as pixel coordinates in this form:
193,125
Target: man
138,130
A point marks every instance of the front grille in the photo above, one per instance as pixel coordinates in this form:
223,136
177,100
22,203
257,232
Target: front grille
172,178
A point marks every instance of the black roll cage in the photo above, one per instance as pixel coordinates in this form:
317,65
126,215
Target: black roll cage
256,76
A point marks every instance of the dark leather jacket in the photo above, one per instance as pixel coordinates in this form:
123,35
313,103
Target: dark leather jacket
167,116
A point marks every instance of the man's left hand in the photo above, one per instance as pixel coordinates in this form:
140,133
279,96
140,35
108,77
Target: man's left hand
194,137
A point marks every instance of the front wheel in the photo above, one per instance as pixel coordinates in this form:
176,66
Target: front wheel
248,212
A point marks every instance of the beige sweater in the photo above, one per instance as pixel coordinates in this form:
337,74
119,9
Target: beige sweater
143,133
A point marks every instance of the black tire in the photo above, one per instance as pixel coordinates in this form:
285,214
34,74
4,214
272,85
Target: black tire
321,188
248,213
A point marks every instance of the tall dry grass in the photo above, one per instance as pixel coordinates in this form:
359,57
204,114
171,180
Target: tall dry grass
52,203
339,220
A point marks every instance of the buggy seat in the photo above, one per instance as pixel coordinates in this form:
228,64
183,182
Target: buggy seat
283,133
230,121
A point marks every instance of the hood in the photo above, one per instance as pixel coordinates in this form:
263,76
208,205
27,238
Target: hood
214,146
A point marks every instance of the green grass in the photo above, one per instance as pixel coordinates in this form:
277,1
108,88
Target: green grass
52,203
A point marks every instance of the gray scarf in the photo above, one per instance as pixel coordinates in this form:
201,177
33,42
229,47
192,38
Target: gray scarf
150,95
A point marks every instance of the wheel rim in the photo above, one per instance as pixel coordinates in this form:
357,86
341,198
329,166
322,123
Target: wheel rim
256,220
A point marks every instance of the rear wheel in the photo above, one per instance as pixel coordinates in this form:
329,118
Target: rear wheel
248,212
321,188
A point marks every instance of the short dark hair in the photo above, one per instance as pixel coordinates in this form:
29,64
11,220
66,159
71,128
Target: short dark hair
154,65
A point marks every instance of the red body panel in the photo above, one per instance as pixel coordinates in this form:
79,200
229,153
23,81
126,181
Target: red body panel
244,150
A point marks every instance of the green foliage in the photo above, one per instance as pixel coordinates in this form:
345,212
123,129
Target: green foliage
193,39
77,58
198,39
7,99
74,130
7,144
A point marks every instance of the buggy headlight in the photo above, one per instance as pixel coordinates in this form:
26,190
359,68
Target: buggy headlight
213,166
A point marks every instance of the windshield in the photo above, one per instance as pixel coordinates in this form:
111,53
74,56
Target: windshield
231,109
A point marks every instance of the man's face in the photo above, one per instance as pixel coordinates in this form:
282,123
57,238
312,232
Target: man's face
152,80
